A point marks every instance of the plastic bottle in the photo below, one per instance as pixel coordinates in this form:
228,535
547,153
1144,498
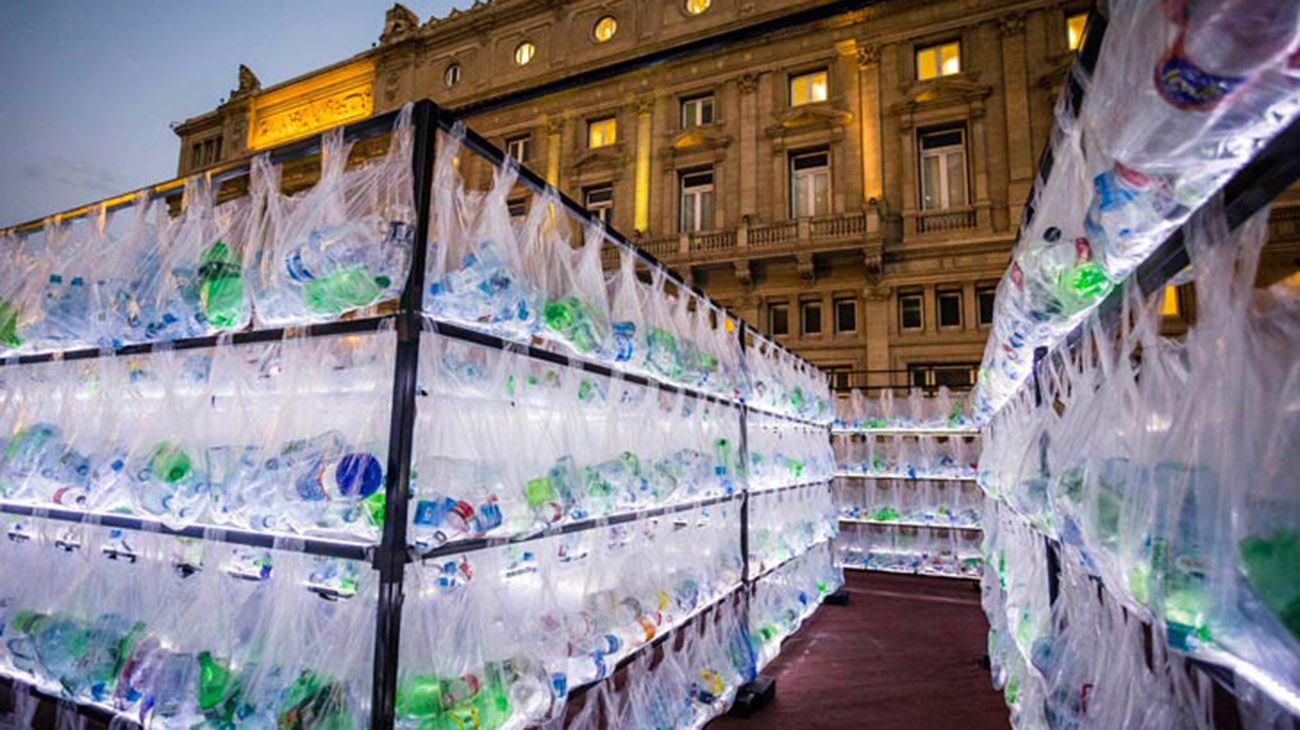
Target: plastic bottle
168,482
349,265
315,702
577,322
66,307
221,286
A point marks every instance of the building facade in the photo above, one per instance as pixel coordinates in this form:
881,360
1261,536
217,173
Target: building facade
850,184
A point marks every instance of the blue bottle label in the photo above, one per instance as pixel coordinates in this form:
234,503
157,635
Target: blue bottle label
1187,86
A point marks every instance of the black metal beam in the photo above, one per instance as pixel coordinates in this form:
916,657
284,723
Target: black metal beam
345,549
461,547
392,555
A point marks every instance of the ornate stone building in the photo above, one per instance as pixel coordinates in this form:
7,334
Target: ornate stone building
851,181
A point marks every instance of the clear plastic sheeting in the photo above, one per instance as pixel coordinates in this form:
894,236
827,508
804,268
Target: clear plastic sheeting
916,412
908,548
781,600
1169,466
784,453
234,636
593,598
919,502
288,436
343,245
507,444
787,523
1081,661
1184,94
784,384
693,680
907,457
542,276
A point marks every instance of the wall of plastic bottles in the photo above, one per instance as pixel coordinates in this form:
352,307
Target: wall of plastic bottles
591,451
1162,470
905,492
1182,96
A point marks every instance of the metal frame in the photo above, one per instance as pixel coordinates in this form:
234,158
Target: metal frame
392,554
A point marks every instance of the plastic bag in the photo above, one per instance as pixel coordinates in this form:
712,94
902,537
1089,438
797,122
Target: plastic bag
341,246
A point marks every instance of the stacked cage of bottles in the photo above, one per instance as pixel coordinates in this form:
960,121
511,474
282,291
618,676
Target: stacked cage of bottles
297,415
904,492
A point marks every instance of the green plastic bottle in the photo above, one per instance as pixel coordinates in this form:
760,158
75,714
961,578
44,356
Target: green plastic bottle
314,702
575,321
221,286
215,683
1271,564
9,325
344,290
169,462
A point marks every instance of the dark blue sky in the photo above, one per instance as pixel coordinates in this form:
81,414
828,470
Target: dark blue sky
90,87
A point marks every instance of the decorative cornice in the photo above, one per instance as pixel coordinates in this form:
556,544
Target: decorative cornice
698,138
644,106
554,125
747,83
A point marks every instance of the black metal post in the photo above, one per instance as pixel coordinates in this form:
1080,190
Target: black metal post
743,458
392,555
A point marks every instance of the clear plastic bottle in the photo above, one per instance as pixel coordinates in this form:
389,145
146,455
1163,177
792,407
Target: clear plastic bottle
350,265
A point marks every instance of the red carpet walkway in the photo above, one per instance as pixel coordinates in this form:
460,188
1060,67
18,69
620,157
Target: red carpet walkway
905,653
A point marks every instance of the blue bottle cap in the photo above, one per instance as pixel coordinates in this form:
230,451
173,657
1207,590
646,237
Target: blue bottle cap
358,475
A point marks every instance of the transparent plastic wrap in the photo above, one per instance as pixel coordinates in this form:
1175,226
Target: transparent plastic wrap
341,246
1187,94
576,309
200,262
481,272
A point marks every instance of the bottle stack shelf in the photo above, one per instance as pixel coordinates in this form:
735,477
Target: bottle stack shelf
905,485
386,458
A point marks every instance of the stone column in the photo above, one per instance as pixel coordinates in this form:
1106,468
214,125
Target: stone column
869,86
1016,93
749,133
554,138
875,324
644,110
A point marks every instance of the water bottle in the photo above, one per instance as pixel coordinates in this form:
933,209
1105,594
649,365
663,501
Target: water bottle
662,354
350,265
66,306
168,483
314,701
482,290
221,286
624,334
577,322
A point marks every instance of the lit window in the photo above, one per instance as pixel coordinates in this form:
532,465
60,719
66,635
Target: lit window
941,60
909,311
846,315
810,316
520,148
599,199
451,76
778,319
605,28
602,132
697,201
808,88
1074,30
697,112
196,154
984,298
1171,307
524,53
943,169
810,184
697,7
948,303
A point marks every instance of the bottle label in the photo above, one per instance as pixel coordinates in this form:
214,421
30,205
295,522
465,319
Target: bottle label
1187,86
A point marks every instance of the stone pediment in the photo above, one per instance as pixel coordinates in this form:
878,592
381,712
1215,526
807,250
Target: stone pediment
699,139
609,155
809,116
940,92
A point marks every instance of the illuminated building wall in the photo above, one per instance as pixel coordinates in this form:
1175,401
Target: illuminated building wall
864,174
